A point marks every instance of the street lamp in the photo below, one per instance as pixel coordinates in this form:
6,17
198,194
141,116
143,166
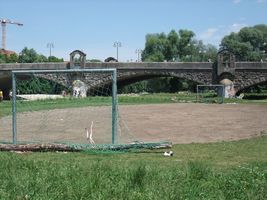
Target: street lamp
50,45
202,54
138,52
117,45
264,51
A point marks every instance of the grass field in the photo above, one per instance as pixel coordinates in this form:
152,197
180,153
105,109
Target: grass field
227,170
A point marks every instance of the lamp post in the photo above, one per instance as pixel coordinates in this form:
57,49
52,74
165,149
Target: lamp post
138,52
117,45
50,45
264,50
202,54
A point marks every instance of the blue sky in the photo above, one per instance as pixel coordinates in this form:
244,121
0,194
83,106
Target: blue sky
94,25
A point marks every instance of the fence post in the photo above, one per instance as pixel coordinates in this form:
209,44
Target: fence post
14,109
114,107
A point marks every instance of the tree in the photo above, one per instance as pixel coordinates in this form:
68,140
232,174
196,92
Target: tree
2,58
249,44
155,48
186,37
13,58
176,46
41,58
55,59
28,56
172,45
8,57
31,56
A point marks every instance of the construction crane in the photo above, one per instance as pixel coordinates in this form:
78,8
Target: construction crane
4,22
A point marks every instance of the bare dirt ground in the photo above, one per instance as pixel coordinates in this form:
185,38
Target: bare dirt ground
178,123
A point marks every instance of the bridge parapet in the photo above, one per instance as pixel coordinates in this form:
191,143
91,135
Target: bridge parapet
132,65
29,66
151,65
257,66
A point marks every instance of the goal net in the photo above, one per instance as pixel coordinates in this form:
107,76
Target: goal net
74,108
210,93
77,106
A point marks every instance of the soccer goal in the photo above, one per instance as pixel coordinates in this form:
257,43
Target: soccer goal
77,106
210,93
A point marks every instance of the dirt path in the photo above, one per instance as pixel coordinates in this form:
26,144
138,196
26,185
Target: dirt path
178,123
187,123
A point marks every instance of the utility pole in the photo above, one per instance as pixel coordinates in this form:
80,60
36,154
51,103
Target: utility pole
50,46
4,22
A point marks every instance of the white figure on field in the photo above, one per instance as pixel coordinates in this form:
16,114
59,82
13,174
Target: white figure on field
79,88
90,136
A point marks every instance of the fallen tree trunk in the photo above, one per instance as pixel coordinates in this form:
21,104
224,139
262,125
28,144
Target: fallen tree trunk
36,147
81,147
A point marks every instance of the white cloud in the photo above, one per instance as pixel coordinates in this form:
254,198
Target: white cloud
237,1
235,27
210,36
214,35
208,33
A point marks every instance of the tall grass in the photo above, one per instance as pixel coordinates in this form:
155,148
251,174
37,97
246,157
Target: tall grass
139,175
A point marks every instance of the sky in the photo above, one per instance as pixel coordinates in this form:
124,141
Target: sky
94,25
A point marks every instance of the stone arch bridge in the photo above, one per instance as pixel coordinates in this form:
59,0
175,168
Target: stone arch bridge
243,75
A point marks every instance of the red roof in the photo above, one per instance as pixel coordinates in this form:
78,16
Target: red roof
7,52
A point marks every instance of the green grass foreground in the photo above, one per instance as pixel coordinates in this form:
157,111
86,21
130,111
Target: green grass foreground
226,170
69,102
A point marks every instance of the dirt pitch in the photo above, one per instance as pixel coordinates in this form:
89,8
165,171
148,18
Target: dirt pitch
177,122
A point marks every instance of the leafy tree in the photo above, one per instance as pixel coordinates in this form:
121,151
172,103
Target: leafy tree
55,59
41,59
5,58
13,58
177,46
172,45
28,56
31,56
2,58
249,44
186,37
39,86
155,48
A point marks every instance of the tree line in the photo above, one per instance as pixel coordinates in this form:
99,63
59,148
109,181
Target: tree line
249,44
28,56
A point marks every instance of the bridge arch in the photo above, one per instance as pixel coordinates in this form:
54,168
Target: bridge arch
202,78
245,80
127,79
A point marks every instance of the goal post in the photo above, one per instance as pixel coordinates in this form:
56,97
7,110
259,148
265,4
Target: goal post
110,75
210,93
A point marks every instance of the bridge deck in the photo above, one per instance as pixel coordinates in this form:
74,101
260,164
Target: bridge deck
134,65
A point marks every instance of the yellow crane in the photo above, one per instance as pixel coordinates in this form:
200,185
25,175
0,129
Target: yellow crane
4,22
